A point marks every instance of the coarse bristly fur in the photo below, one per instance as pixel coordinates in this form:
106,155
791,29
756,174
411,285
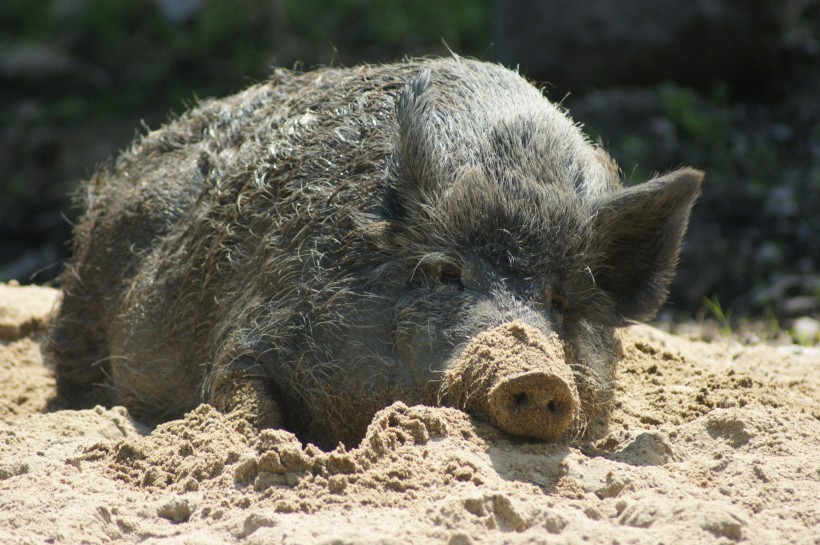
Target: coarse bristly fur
338,237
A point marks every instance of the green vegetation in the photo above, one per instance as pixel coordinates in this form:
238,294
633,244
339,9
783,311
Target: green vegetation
394,24
127,56
712,305
691,117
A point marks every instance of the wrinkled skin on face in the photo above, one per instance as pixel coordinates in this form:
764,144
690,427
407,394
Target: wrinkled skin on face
328,243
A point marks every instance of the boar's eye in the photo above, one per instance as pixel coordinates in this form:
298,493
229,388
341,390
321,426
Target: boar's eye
557,302
450,275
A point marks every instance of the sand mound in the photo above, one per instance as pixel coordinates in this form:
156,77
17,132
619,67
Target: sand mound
25,385
708,443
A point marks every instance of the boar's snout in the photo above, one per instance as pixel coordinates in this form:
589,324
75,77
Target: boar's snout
518,379
540,404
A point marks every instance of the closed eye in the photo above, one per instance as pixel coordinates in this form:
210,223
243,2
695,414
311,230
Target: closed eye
556,301
450,275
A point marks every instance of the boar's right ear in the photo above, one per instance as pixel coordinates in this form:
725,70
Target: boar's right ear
641,229
414,162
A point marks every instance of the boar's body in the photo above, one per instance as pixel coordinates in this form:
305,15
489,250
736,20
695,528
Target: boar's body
335,239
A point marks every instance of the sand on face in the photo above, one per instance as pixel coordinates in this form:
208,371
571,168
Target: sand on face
517,379
708,443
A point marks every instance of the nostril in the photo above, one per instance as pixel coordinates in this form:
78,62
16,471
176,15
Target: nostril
535,404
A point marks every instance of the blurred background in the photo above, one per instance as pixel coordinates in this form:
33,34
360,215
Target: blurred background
728,86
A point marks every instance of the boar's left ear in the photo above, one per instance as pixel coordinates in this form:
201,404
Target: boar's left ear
640,229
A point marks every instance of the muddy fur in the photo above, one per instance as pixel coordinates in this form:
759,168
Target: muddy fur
350,231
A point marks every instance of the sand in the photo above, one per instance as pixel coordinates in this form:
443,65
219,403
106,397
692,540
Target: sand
708,443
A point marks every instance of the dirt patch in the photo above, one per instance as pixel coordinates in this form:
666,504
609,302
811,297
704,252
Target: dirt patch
708,443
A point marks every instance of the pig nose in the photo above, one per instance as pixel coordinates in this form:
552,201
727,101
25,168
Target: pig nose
518,379
537,404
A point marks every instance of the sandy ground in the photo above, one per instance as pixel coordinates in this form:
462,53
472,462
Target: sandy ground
709,443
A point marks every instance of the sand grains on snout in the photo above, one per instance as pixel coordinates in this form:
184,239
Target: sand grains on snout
516,378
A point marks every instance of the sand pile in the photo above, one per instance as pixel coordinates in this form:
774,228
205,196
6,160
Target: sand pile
708,443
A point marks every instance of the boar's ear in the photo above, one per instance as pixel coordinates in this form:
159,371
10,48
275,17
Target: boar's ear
641,229
414,161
